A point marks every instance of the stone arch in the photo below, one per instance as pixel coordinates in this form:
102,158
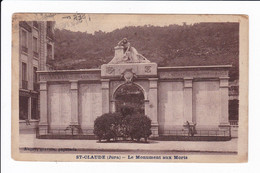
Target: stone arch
129,96
136,84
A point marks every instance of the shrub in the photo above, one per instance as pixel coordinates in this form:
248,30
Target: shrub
127,110
107,126
130,110
139,126
113,125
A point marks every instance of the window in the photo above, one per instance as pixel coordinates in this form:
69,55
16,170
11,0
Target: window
24,41
35,47
233,109
35,112
49,51
24,38
34,74
23,108
35,24
24,76
50,31
35,84
24,71
35,44
48,25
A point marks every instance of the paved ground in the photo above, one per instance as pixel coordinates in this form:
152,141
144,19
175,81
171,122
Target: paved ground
28,142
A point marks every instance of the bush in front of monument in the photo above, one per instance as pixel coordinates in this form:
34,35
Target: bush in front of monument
139,127
116,126
107,126
126,110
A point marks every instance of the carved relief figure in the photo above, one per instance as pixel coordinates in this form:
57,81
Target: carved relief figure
129,54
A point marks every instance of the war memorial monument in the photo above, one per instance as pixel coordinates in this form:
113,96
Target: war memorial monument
171,96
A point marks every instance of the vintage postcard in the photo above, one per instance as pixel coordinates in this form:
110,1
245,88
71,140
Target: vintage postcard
129,87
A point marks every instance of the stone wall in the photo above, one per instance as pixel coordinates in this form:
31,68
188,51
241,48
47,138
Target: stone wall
90,104
170,97
173,95
59,106
194,94
69,97
206,104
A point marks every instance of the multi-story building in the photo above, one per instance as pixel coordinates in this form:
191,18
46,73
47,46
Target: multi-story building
234,106
233,102
36,48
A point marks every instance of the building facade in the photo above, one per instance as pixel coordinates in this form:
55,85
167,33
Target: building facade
36,48
234,106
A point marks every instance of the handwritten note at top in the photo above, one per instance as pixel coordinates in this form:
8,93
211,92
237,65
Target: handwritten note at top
77,17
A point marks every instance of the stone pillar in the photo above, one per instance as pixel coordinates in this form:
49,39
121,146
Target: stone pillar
105,95
74,102
146,107
43,124
187,100
153,105
113,106
223,119
30,108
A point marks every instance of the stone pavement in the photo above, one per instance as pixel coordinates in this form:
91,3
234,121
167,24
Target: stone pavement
30,141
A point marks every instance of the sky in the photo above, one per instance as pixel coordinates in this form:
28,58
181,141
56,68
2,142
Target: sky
94,22
108,22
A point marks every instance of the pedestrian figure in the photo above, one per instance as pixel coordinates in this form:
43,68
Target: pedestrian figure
194,131
191,128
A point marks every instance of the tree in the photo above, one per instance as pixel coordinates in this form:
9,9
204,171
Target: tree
174,45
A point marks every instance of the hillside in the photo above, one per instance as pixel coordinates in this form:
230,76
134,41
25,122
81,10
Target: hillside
175,45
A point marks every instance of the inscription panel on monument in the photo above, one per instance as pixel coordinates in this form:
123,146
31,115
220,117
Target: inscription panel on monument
54,76
90,96
170,104
205,96
193,73
59,104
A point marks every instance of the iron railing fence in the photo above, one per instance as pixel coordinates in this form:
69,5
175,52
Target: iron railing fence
65,132
184,133
198,133
233,122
